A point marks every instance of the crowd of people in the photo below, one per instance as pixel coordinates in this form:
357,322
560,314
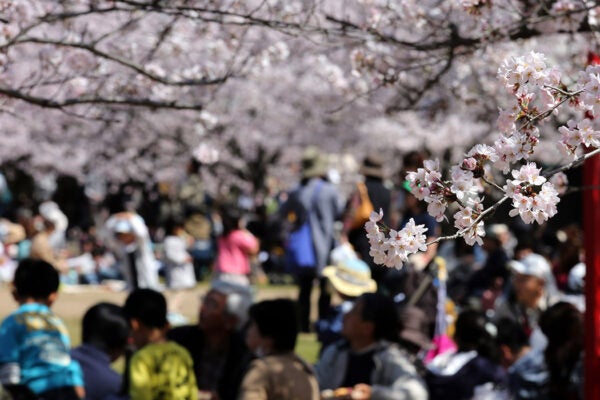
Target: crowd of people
503,320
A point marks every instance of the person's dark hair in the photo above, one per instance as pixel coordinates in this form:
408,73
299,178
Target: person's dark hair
562,324
473,332
172,224
382,311
105,326
147,306
36,279
230,216
525,242
278,320
511,334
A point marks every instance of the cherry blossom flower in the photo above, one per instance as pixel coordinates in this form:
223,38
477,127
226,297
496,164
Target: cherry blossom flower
393,250
560,182
464,221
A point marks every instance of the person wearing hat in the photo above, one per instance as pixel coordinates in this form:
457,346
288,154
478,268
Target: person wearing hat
373,187
317,200
529,294
349,278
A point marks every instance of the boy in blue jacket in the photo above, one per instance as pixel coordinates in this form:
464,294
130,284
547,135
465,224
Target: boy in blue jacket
34,343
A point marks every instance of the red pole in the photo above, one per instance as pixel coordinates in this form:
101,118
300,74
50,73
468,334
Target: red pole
591,227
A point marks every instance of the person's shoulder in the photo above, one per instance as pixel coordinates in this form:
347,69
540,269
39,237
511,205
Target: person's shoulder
261,364
390,350
155,353
174,347
334,349
184,333
394,353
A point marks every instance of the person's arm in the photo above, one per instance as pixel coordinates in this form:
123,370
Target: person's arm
10,370
398,380
248,242
139,379
77,373
174,252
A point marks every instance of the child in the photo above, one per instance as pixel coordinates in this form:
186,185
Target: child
34,343
235,246
105,332
178,262
160,369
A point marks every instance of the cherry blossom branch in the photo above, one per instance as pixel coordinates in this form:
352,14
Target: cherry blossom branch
573,164
126,63
116,101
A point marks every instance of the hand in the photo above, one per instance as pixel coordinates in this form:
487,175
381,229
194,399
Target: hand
206,395
361,392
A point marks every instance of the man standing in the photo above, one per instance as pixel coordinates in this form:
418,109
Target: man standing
319,200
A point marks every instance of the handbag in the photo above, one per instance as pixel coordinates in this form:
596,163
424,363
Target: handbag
363,210
300,250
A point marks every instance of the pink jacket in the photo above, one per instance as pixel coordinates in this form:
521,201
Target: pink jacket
233,252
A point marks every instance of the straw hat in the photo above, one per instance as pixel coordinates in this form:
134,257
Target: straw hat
372,166
351,277
314,163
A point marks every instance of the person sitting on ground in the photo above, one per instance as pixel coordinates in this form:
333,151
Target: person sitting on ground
34,342
556,371
512,342
413,331
474,365
349,278
159,369
47,243
488,282
105,332
528,295
278,372
216,343
367,362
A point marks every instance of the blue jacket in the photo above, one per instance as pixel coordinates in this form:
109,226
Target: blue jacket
34,350
101,381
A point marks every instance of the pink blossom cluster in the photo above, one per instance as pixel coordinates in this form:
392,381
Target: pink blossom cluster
393,250
539,92
534,198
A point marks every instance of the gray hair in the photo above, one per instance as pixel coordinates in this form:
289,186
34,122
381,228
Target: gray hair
239,298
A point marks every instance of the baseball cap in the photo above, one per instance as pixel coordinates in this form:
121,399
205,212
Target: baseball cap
532,265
